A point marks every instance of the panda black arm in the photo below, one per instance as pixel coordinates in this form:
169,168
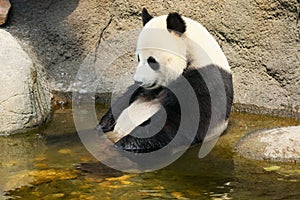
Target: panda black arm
152,138
108,121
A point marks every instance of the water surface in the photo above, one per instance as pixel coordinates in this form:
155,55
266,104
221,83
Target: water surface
41,165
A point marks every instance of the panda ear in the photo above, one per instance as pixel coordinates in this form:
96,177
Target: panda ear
146,16
176,23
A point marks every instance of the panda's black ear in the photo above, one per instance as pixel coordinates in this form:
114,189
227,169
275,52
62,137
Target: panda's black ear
146,16
176,23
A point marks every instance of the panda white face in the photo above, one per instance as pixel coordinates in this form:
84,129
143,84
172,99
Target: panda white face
157,67
161,51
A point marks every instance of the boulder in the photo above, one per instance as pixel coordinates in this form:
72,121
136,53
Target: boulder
4,9
279,144
25,101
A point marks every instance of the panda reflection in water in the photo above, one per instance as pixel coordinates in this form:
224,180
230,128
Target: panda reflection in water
174,53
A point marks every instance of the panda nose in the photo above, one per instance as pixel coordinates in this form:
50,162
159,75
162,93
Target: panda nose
138,82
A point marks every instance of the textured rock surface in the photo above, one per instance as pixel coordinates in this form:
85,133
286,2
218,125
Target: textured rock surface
4,9
261,39
279,144
25,101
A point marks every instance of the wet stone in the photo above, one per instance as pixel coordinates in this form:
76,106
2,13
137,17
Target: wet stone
278,144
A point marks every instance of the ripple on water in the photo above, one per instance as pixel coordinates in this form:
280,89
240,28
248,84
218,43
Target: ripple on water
41,165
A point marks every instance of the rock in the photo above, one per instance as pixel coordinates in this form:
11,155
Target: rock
4,9
260,39
25,101
279,144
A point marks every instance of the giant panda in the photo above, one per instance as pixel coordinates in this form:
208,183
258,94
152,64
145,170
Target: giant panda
174,54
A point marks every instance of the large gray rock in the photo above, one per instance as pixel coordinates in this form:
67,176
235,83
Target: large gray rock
279,144
260,39
25,101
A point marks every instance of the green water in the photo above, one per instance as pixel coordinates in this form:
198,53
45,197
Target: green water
40,165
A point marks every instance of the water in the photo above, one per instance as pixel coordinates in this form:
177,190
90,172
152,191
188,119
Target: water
41,165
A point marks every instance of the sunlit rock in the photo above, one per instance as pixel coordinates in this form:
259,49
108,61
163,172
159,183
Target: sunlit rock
25,100
279,144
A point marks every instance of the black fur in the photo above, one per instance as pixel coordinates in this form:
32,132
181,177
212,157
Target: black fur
107,122
146,16
227,80
176,23
153,63
168,100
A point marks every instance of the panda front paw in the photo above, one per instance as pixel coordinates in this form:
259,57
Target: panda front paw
105,129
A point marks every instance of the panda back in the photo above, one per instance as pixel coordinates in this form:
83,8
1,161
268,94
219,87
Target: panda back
202,48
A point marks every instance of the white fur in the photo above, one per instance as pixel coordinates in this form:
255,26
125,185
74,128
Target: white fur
172,51
203,47
212,137
171,66
137,113
168,49
216,130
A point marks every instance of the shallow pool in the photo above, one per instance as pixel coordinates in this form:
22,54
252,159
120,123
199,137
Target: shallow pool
41,165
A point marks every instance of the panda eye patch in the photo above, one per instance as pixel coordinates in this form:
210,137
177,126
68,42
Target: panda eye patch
138,58
153,63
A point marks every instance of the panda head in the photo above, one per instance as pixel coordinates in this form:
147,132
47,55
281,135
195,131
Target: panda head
161,50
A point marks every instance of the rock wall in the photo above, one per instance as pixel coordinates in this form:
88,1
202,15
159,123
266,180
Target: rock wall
261,39
25,100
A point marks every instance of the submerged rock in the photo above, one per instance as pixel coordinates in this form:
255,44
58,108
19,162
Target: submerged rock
25,100
43,176
279,144
17,158
4,9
